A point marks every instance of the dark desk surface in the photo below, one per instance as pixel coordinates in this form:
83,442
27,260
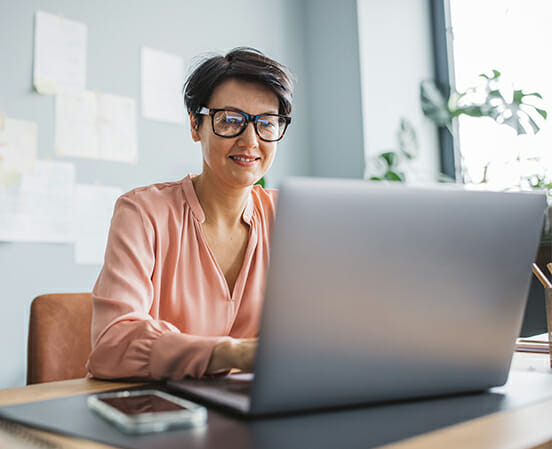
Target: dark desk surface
475,421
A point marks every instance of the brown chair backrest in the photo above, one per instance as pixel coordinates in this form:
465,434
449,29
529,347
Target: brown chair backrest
59,337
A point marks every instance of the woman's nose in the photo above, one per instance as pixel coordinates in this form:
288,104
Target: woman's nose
249,136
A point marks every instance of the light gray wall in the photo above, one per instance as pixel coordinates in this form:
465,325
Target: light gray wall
332,55
317,39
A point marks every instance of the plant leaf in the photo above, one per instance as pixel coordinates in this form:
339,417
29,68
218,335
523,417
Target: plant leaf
534,126
542,112
434,104
518,115
496,75
495,94
391,175
390,158
518,97
408,141
472,111
533,94
514,122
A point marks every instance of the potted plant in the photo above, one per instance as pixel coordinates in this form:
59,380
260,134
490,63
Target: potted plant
486,99
390,161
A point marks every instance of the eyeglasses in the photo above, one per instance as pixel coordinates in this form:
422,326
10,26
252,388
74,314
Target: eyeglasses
231,123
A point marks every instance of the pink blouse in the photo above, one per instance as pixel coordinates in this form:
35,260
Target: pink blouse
161,302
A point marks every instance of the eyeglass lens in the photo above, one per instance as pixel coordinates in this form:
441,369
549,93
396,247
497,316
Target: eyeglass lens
231,123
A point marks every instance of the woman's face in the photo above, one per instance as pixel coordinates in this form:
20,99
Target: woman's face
242,160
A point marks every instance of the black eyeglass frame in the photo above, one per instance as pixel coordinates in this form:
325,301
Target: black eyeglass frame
248,118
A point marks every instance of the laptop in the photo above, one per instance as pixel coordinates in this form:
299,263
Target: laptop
381,292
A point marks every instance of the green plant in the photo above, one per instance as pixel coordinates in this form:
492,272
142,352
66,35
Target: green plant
392,160
541,183
490,99
484,100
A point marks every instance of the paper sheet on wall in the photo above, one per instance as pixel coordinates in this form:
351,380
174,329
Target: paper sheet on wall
97,126
162,78
117,128
75,129
59,54
18,148
39,207
92,210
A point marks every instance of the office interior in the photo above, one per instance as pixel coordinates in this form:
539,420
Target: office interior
357,66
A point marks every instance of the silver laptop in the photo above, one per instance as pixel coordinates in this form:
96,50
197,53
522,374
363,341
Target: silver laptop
381,292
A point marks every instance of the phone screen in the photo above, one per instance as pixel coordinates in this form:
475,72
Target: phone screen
145,403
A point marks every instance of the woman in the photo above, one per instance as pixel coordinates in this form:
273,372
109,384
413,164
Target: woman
180,292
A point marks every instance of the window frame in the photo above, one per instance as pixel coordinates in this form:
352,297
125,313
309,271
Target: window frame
443,69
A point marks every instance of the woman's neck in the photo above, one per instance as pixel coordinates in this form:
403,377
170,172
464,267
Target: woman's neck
221,205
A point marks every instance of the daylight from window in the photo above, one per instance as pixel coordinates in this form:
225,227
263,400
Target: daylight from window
513,37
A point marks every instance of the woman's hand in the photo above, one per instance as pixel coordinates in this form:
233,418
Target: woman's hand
237,353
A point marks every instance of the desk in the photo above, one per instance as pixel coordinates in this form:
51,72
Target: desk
525,427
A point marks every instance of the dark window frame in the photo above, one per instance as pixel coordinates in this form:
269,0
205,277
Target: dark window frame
443,69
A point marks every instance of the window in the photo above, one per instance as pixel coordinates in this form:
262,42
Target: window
509,36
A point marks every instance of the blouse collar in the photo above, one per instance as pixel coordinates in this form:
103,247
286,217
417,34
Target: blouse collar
197,210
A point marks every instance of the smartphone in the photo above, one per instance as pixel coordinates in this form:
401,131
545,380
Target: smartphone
146,411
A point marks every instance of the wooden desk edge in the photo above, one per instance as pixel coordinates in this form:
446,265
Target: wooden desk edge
51,390
522,428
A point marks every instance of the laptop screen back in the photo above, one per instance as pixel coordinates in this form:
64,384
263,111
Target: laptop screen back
379,292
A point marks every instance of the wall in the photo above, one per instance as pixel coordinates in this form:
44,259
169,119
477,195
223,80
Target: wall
318,39
332,55
395,56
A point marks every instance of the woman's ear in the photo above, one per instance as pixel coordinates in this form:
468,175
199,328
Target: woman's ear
194,127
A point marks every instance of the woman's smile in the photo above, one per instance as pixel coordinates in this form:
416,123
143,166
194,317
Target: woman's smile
244,160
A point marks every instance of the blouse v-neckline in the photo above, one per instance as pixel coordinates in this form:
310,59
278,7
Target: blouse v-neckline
247,216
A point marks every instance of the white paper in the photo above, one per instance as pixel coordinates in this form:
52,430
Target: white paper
76,133
59,54
92,210
39,207
18,144
97,126
116,123
162,80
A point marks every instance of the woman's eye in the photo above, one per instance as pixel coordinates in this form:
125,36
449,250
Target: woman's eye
267,124
233,120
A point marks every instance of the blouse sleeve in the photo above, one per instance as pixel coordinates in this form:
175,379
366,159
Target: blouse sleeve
126,341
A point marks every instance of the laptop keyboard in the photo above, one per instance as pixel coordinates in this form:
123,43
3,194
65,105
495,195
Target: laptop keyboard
231,385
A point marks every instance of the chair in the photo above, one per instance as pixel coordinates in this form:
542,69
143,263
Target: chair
59,337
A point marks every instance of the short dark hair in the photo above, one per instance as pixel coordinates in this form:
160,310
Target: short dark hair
243,63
